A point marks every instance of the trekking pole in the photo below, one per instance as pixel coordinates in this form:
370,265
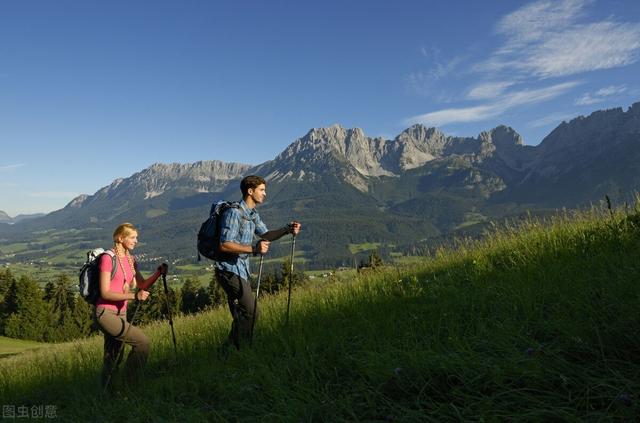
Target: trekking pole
255,302
293,246
166,297
114,369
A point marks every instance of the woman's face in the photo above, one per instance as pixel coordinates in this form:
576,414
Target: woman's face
129,242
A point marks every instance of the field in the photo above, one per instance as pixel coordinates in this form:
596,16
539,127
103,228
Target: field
9,346
537,322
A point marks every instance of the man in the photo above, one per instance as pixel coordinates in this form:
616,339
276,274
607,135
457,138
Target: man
238,226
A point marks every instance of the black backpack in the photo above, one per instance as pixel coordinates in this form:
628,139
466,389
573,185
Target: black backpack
89,284
209,233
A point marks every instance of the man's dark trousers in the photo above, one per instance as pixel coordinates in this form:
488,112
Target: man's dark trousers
241,305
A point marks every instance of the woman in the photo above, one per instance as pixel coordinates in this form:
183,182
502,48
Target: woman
111,307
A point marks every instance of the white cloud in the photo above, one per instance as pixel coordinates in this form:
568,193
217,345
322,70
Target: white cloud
443,117
11,167
486,111
534,21
551,119
53,194
611,90
545,39
488,90
602,45
599,96
424,82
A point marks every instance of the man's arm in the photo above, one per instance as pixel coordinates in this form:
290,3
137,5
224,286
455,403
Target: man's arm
274,234
234,248
290,228
229,231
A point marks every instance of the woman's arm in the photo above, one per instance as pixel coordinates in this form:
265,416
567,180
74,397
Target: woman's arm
143,283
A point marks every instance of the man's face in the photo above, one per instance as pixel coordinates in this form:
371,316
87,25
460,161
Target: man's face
258,194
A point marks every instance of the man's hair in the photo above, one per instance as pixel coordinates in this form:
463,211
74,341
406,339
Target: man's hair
251,181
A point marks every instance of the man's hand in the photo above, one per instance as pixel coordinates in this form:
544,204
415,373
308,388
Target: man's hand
261,247
294,227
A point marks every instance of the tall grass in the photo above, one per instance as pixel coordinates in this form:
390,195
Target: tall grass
537,322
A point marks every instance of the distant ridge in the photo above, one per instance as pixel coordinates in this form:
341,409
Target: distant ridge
5,218
351,189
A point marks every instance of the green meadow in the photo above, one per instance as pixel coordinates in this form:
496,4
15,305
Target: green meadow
537,322
10,346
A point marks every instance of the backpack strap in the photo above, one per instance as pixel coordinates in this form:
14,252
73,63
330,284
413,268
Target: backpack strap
114,263
236,205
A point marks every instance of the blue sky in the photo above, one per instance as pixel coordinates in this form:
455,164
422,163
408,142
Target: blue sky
95,90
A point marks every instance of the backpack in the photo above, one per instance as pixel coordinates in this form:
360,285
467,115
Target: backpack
209,233
89,284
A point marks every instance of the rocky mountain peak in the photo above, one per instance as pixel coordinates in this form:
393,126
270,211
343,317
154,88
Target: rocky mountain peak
502,137
202,176
423,141
592,133
77,202
420,132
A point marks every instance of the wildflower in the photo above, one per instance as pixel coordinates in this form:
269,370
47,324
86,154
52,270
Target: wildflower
397,371
529,351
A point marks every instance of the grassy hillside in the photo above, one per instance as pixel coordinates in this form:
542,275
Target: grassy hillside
10,346
538,323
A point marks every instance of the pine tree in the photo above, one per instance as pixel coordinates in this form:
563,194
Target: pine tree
83,317
202,299
155,307
6,279
271,283
49,288
28,311
189,293
215,293
298,276
61,301
10,304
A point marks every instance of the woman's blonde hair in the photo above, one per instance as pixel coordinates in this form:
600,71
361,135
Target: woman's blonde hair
123,231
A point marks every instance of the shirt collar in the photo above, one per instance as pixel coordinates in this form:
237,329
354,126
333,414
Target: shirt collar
246,209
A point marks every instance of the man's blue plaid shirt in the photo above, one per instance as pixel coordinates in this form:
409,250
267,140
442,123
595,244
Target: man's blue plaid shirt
238,225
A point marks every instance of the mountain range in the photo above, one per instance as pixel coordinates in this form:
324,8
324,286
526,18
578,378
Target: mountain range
5,218
351,190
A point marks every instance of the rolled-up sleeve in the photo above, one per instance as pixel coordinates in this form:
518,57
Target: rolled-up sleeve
230,225
261,228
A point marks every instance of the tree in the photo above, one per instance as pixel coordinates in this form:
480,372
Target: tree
189,293
271,283
83,317
62,319
375,260
9,304
28,319
6,279
155,307
298,276
215,293
202,299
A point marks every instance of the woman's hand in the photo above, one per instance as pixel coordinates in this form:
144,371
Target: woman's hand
163,269
141,295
